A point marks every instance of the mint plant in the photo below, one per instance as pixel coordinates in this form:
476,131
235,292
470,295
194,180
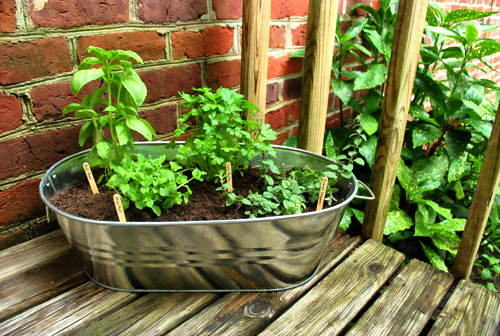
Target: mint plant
113,105
287,193
220,132
150,183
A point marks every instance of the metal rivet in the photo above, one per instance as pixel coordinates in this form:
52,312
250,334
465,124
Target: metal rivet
54,176
375,268
257,307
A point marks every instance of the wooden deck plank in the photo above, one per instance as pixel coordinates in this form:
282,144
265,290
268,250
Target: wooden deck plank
332,304
407,304
47,268
67,313
31,254
248,313
152,314
471,310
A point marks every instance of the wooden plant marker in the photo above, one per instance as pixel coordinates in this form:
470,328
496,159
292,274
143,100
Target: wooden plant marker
229,176
119,208
322,193
90,178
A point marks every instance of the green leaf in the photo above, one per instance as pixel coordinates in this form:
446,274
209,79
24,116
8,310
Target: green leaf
419,112
461,15
486,83
298,54
135,87
126,54
88,62
397,220
449,225
82,77
71,108
368,123
141,126
103,149
367,150
483,127
375,75
471,33
354,30
291,141
446,241
458,169
123,133
85,113
86,131
424,134
346,219
434,258
424,175
342,89
431,88
456,143
373,101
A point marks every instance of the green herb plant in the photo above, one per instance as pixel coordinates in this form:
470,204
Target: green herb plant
150,183
113,105
286,193
221,133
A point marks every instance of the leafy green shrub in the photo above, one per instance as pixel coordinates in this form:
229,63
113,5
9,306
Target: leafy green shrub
113,105
221,133
446,138
149,183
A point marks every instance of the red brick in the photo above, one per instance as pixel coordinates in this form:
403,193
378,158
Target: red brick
50,100
299,35
163,119
11,112
281,9
228,9
154,11
76,13
37,151
281,137
166,83
272,93
284,65
8,16
210,41
224,74
283,116
277,37
20,202
23,61
148,44
292,88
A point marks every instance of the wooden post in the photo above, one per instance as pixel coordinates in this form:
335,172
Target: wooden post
320,40
481,205
405,51
255,46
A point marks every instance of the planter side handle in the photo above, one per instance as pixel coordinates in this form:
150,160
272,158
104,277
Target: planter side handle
369,198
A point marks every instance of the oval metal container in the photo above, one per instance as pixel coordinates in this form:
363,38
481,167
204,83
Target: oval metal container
271,253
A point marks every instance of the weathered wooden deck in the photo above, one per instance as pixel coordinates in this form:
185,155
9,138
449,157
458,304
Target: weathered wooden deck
361,289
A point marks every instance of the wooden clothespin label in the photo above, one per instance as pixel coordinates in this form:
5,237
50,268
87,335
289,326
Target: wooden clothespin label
322,193
119,208
90,178
229,176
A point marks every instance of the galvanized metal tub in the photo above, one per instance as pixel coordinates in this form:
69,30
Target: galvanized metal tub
272,253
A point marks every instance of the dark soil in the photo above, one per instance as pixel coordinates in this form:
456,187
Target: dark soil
206,203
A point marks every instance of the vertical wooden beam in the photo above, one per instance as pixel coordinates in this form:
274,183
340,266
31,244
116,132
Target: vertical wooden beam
254,54
481,205
320,39
405,51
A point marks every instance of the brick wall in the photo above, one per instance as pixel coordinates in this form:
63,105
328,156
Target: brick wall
184,44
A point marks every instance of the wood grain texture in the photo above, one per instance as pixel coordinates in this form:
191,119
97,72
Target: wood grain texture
407,304
332,304
470,311
249,313
320,38
153,314
480,209
47,268
405,51
254,54
67,313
